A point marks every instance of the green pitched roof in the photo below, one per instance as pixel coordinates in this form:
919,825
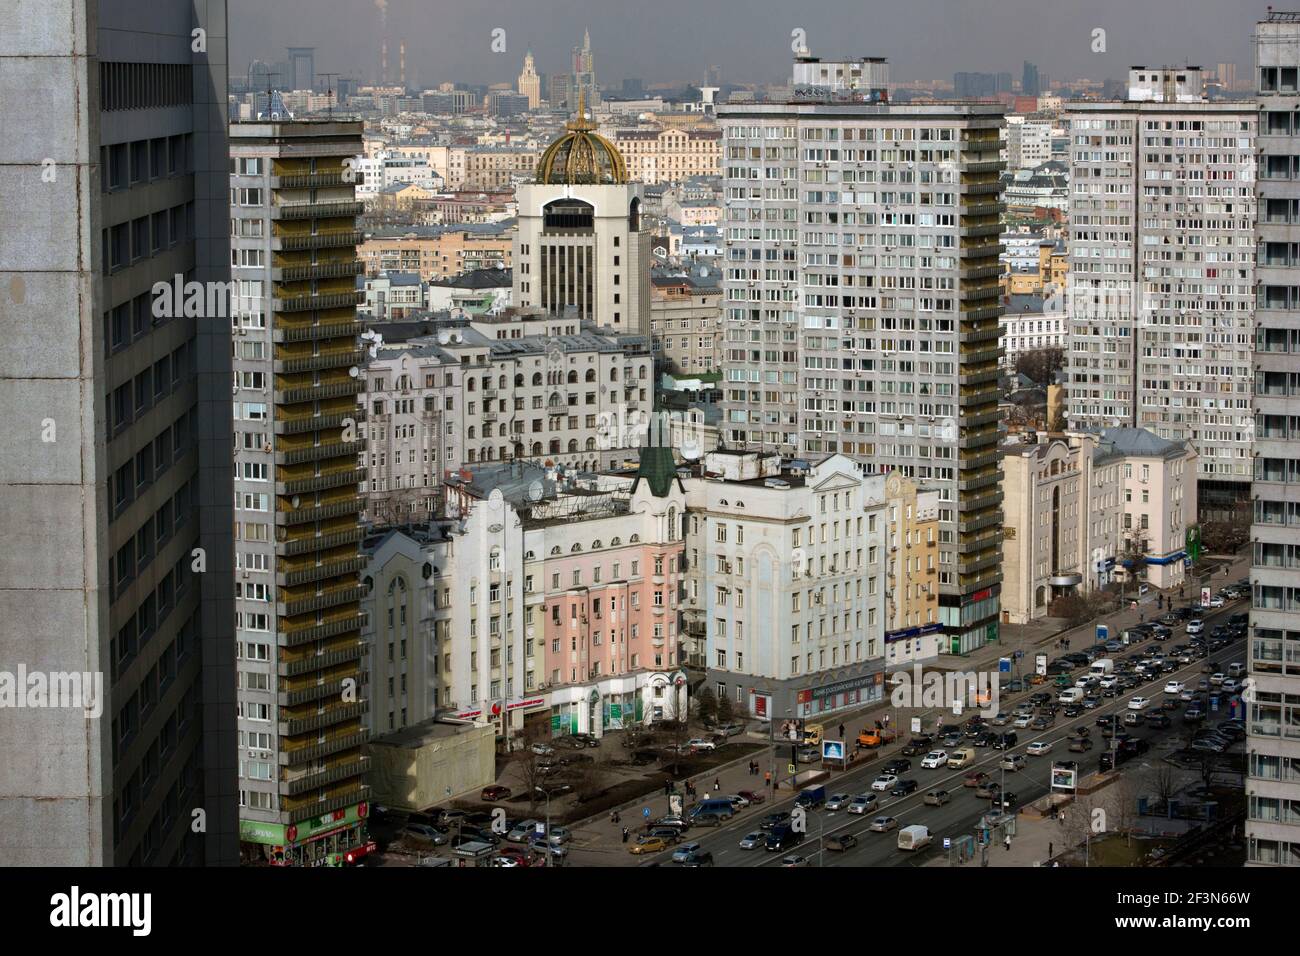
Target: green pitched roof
658,468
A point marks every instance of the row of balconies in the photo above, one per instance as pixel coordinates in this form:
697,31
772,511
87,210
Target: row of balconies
980,459
327,300
337,358
319,270
298,456
975,564
294,756
345,209
977,480
320,542
332,716
313,781
307,180
335,479
320,662
320,240
324,330
321,602
320,572
987,519
319,392
314,808
291,424
319,632
336,509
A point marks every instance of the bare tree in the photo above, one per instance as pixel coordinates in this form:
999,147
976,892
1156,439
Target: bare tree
1041,365
1163,781
529,765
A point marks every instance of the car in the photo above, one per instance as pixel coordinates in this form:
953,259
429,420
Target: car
936,798
698,744
754,797
1193,714
951,740
809,754
862,803
733,729
1134,718
883,824
935,759
1217,678
1012,762
778,818
1195,627
1217,600
699,858
1041,723
737,801
1080,744
573,760
516,853
1006,740
672,820
1014,686
1186,694
522,831
1023,721
1230,685
423,833
1074,710
682,852
840,842
975,778
669,834
985,738
986,790
1138,703
542,749
583,740
753,841
494,793
1038,748
837,802
896,766
794,859
903,787
1000,720
1005,800
917,746
648,844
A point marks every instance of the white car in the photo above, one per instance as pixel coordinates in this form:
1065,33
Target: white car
862,803
1195,627
1173,687
1038,748
1108,682
1216,601
884,782
699,743
1230,684
837,802
1012,762
1138,703
1217,678
1186,694
1024,720
542,750
935,759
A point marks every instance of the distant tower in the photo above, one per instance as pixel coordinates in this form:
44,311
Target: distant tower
530,84
401,54
302,67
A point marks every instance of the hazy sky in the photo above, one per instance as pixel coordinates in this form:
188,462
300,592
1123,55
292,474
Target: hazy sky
673,40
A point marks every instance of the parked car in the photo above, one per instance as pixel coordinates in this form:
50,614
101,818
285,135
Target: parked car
733,729
648,844
542,749
698,744
423,833
753,796
495,793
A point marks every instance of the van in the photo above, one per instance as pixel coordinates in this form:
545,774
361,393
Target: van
960,758
914,837
1102,668
720,807
812,735
1236,670
783,837
1071,695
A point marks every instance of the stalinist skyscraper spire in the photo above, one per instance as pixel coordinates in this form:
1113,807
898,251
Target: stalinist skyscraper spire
530,84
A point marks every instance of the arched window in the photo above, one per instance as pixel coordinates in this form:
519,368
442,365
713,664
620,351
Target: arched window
537,378
576,548
555,446
572,378
634,216
470,432
634,539
615,542
555,550
573,445
591,444
596,545
591,375
519,381
537,449
613,375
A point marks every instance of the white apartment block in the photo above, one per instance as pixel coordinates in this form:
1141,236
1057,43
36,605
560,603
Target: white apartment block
860,310
786,582
1162,276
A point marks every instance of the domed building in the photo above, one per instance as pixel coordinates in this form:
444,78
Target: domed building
579,242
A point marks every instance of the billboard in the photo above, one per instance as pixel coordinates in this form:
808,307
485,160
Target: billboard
833,750
1065,775
790,729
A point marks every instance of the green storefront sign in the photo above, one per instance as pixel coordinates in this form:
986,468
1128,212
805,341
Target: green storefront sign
273,834
991,634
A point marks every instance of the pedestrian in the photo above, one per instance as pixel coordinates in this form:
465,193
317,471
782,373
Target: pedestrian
767,778
841,731
717,783
1049,850
1007,842
625,834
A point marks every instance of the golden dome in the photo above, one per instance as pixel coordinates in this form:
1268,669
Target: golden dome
580,157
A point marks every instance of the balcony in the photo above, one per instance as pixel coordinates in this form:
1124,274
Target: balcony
313,393
981,250
337,509
321,602
318,632
991,334
984,418
321,542
982,166
335,715
975,482
315,809
320,240
296,425
321,270
983,208
325,330
330,300
298,456
314,781
320,662
342,358
967,566
307,695
309,180
320,572
336,479
349,209
980,272
986,520
981,353
301,755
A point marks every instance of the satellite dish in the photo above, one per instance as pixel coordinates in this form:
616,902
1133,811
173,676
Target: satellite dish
444,337
495,499
536,490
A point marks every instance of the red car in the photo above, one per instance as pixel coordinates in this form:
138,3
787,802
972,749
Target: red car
516,853
497,792
753,796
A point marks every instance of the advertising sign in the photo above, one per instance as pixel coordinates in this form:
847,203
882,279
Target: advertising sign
1103,633
790,729
1065,775
832,750
1040,664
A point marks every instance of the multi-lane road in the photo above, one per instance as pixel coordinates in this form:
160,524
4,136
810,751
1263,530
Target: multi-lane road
960,816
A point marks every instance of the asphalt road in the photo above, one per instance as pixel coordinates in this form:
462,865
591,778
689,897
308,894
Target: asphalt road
959,817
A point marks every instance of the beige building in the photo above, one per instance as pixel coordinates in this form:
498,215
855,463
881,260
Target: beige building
912,627
436,253
489,168
686,324
1079,505
670,154
530,83
415,768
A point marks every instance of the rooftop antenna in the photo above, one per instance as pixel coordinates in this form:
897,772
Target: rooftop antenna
329,90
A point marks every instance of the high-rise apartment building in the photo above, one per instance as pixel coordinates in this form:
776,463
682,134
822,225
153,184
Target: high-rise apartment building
116,571
861,309
297,436
1162,271
1273,702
